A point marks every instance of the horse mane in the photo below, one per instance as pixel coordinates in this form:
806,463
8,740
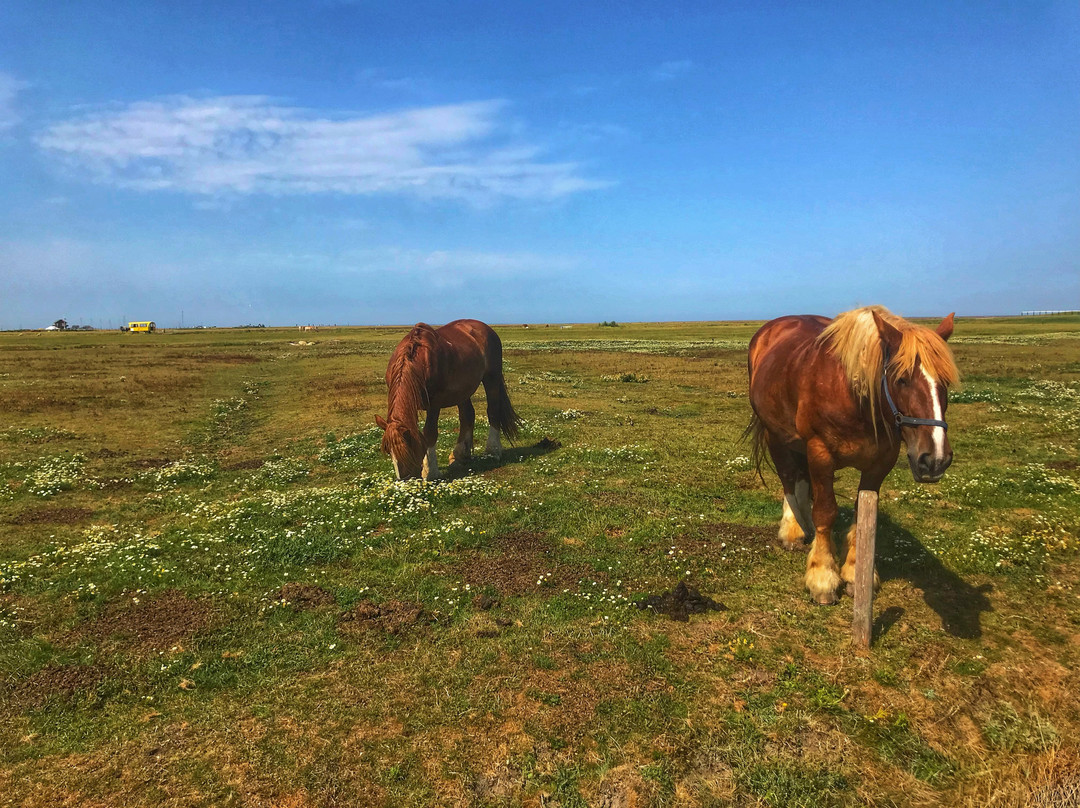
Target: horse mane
410,366
853,339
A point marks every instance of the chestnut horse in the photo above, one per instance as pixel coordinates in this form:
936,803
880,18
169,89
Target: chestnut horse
434,368
840,394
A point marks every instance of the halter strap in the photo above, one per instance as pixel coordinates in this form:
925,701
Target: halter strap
901,419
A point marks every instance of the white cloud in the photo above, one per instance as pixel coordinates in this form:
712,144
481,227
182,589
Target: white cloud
671,70
9,90
251,144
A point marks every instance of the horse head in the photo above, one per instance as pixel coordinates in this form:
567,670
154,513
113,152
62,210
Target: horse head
916,396
405,446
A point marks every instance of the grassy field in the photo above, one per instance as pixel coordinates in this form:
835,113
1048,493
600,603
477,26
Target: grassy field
212,593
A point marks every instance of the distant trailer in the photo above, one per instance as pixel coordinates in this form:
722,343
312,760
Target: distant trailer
145,327
1037,313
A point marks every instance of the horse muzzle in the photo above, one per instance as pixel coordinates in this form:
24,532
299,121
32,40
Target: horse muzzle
928,468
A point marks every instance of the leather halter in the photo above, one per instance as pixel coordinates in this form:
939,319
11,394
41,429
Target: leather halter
901,419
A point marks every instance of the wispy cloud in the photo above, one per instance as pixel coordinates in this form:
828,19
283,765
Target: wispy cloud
671,70
9,91
252,144
384,80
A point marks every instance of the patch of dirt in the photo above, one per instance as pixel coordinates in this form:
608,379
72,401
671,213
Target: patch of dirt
156,623
680,603
1063,465
746,535
393,617
104,454
518,561
144,463
52,516
244,465
58,680
624,787
303,596
484,602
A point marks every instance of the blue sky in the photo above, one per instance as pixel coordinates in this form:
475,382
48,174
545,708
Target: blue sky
389,162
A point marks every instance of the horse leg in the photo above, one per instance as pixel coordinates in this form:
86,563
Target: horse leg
431,437
796,523
822,575
493,446
867,482
466,422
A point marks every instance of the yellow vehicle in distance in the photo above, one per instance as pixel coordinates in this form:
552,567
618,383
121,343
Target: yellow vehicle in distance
145,327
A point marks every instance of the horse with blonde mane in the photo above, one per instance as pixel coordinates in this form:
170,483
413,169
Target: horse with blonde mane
839,394
433,368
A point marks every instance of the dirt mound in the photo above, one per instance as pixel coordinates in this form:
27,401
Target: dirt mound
157,623
52,516
680,603
521,559
303,596
58,680
393,617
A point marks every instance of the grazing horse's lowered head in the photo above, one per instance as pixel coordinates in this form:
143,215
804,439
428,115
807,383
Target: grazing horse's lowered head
405,446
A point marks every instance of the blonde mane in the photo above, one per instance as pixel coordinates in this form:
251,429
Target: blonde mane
852,337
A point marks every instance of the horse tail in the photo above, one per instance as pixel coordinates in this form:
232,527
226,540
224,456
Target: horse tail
501,413
756,434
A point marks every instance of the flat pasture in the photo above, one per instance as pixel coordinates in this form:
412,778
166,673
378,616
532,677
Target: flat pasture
212,592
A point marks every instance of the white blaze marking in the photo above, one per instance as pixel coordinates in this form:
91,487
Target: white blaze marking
937,432
397,468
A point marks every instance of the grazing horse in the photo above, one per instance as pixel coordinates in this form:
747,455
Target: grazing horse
434,368
839,394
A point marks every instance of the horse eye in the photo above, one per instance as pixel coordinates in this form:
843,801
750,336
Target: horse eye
902,382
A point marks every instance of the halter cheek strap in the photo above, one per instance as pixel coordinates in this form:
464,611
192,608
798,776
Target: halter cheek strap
901,419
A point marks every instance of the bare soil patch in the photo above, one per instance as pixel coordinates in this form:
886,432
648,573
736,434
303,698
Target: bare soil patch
1063,465
52,516
157,623
392,617
104,454
58,680
144,463
680,603
303,596
518,561
244,465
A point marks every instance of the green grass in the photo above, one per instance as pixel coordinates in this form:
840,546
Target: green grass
205,469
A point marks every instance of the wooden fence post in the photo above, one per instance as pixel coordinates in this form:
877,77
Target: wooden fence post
866,535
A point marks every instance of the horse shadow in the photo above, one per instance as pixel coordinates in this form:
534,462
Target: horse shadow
900,555
509,456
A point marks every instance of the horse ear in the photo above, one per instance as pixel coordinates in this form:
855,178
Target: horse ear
381,423
891,335
945,328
